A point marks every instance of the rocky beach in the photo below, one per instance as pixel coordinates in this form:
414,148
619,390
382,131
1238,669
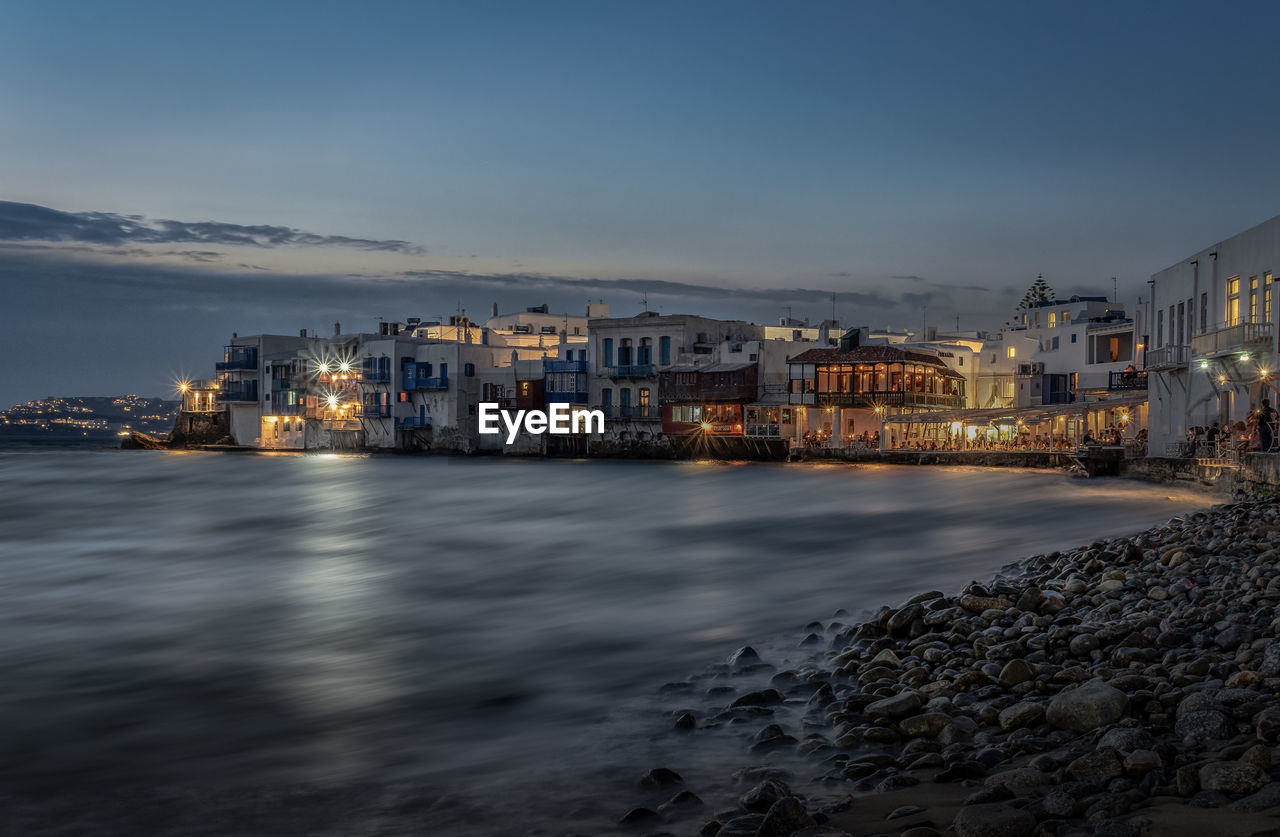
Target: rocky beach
1125,687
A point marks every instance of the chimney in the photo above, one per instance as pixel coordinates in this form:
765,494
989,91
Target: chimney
337,329
302,332
495,310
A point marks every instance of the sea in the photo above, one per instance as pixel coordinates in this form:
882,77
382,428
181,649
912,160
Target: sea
222,643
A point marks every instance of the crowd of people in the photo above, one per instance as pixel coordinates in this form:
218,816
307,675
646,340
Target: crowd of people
1257,433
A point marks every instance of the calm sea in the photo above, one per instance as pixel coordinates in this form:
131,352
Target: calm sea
217,643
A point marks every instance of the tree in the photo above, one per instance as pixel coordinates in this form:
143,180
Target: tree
1038,292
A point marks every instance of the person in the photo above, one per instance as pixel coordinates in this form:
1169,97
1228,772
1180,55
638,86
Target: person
1266,425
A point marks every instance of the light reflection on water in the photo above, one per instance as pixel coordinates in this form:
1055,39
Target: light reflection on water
211,621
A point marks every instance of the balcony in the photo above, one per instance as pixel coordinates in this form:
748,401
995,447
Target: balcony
413,422
376,370
563,366
1234,338
377,411
238,359
1168,357
238,391
1127,381
635,370
889,399
411,383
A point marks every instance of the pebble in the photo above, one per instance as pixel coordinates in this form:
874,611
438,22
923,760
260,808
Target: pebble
1067,690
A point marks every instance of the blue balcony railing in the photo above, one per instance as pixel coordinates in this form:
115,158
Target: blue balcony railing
377,410
239,391
632,412
438,382
635,370
238,358
376,370
563,366
412,422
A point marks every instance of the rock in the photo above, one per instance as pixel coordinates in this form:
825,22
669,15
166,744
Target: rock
1232,777
887,658
661,777
768,697
762,797
686,721
1082,644
1099,767
898,706
1204,725
904,811
1267,797
1267,724
744,656
1141,762
1127,739
772,736
1015,672
1087,707
1024,714
744,826
926,726
1259,755
784,817
1270,666
977,604
638,816
995,820
1021,780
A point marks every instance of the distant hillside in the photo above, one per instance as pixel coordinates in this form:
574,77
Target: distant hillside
92,416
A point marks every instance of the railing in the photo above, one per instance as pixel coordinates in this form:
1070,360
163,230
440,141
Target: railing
1231,338
411,383
635,370
377,411
239,391
889,399
552,366
238,358
639,413
768,431
1130,380
1168,357
373,375
1061,396
566,397
412,422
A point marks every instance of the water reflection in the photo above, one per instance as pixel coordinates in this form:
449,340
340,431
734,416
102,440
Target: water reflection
207,622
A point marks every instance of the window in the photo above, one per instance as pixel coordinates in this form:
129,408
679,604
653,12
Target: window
644,397
664,351
1253,299
525,388
624,351
1266,297
1173,312
469,370
1204,311
1182,311
607,351
1073,338
606,397
1233,301
959,360
1053,319
1011,351
1055,343
1066,317
1160,328
644,354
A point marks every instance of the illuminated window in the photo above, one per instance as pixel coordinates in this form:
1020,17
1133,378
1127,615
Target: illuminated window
1053,319
1011,352
644,397
1266,297
1066,317
1253,299
525,388
1233,301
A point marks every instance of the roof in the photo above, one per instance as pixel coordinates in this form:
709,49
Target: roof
726,367
1030,415
866,354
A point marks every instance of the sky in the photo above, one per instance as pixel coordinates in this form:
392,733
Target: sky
171,173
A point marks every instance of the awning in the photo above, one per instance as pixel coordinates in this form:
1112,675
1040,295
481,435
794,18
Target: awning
1011,415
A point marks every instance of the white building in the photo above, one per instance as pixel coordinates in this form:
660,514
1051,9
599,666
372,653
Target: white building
1212,354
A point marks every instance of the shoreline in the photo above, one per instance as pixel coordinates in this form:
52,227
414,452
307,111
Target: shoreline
1114,687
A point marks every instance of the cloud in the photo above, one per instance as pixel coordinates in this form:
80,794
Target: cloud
31,222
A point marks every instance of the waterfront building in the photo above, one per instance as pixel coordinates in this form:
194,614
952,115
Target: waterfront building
1212,333
843,395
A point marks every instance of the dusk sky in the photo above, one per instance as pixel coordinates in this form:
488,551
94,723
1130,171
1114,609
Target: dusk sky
170,173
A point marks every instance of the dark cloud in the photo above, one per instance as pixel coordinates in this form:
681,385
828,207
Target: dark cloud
910,277
30,222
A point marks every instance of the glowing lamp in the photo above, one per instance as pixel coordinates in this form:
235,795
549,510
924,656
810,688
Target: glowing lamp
333,400
706,425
